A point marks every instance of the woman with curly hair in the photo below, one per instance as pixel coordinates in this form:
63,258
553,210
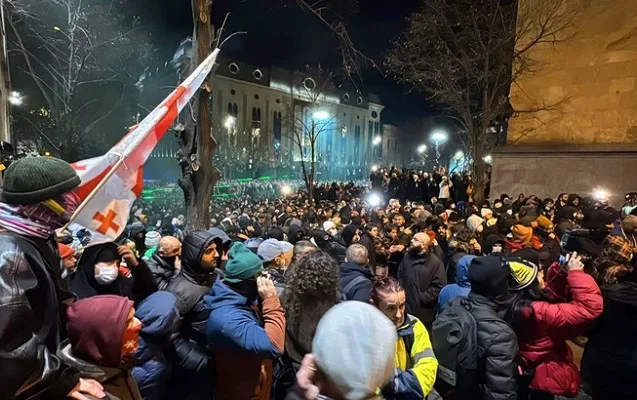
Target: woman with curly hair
312,288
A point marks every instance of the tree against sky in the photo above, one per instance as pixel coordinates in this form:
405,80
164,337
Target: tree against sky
85,58
308,118
466,54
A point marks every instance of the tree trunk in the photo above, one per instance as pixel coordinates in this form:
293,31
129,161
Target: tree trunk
312,171
197,145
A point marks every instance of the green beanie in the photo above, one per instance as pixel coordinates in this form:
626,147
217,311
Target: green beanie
35,179
242,264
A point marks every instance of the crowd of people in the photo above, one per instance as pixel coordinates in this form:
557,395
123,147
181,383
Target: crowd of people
426,295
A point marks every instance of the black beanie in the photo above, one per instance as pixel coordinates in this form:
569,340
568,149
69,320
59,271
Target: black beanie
107,254
489,276
35,179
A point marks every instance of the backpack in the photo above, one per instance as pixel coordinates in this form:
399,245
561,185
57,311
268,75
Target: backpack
454,339
347,293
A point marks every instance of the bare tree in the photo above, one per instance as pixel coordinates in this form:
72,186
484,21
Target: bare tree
307,118
73,49
466,54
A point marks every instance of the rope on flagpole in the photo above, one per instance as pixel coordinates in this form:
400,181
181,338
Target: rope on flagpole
94,191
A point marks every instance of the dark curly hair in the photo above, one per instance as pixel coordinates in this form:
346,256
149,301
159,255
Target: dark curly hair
312,288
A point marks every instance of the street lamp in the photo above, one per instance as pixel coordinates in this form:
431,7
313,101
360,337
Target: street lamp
438,137
459,154
16,99
230,122
487,159
421,149
377,140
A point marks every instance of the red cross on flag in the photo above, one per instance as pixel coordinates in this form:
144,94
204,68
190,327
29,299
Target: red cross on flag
112,182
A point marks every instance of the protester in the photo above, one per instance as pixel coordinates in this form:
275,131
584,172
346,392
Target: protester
460,288
69,260
340,368
103,340
356,278
422,274
415,360
151,242
243,346
99,273
276,256
37,199
165,263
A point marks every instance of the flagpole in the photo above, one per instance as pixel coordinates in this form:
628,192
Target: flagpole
94,191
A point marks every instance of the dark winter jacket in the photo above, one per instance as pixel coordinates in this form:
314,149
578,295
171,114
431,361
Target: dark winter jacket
160,319
361,290
137,287
244,342
612,345
497,349
542,337
162,271
423,277
367,241
31,320
461,288
190,287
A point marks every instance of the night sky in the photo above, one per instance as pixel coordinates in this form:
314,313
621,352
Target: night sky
280,34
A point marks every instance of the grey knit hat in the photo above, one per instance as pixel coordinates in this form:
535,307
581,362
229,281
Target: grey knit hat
35,179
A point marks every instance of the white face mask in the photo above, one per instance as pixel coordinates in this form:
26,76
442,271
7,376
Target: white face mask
510,212
333,232
106,273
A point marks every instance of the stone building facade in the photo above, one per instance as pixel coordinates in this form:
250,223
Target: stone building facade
591,136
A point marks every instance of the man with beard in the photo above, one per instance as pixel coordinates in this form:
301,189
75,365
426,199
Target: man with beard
165,264
423,276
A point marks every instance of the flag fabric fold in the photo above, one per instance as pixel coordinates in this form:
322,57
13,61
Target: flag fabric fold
113,181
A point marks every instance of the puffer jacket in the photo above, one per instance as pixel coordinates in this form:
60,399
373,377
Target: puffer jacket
243,345
162,271
543,337
497,348
160,319
190,287
416,363
461,288
31,326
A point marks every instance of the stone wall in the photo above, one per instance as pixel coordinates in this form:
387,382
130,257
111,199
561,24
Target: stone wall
593,73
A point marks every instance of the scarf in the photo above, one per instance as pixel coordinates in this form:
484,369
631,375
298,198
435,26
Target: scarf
39,220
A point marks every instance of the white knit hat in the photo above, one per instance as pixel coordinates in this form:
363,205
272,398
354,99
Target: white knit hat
152,239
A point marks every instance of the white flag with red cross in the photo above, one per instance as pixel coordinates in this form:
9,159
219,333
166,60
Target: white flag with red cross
112,182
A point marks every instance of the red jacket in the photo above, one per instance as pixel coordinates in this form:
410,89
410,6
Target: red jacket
543,341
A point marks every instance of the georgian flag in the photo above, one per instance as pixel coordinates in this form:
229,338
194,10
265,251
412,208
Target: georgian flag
112,182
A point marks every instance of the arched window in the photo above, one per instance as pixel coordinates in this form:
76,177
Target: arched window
276,129
235,110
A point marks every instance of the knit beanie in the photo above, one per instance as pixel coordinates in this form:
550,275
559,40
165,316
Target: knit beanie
152,239
35,179
489,276
544,222
473,222
522,233
356,364
242,264
65,251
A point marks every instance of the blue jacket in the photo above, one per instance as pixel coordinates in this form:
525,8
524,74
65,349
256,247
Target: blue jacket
234,325
160,318
360,290
461,288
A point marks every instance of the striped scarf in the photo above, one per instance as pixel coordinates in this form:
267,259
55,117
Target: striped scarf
41,219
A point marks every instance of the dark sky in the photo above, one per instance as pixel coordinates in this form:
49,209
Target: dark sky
280,34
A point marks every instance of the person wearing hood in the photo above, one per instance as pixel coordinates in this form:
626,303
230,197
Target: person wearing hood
356,277
202,253
99,273
103,340
423,276
276,257
244,340
339,368
351,234
475,224
165,263
567,220
328,244
38,198
543,326
610,351
462,243
460,288
137,233
160,319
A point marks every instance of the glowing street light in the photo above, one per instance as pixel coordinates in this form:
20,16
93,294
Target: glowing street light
16,98
600,194
230,122
320,115
487,159
421,149
459,154
286,190
377,140
374,168
439,136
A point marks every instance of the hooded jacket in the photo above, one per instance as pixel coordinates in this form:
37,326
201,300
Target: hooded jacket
461,288
190,287
96,330
243,345
137,287
160,319
162,271
423,277
361,290
543,336
31,326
